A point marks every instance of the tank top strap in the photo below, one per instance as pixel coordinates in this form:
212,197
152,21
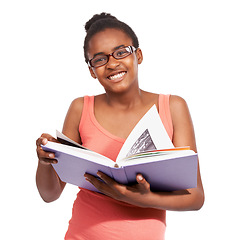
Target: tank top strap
85,111
165,114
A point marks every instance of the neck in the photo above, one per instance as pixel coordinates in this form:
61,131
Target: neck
124,100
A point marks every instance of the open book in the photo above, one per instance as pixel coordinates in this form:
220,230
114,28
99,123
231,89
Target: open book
148,150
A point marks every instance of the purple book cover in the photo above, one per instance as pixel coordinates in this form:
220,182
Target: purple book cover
177,173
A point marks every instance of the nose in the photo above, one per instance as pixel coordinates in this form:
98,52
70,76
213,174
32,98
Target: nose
112,63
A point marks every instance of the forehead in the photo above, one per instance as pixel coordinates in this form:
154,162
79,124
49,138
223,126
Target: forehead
107,40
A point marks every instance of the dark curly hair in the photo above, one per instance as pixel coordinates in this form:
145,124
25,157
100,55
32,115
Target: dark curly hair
100,22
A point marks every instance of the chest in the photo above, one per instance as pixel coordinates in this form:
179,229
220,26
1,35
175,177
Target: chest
119,122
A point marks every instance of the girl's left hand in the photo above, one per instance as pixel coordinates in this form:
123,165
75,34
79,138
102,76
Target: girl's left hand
130,194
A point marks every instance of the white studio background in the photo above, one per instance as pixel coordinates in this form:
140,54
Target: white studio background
187,52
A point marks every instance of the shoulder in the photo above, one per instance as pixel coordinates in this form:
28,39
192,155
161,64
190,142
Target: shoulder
177,105
77,104
177,100
182,123
75,109
181,118
179,112
72,119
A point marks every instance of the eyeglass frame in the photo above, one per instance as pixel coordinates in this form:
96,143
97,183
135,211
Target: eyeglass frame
132,49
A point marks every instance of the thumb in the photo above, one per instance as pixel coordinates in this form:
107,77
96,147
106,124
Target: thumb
142,182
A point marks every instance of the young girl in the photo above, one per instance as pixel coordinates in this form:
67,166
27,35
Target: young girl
102,123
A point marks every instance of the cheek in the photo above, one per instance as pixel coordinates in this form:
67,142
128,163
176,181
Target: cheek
132,64
98,72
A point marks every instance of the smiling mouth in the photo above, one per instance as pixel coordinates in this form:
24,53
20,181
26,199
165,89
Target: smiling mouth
116,76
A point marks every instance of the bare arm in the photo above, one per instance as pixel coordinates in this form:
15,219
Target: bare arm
48,183
140,194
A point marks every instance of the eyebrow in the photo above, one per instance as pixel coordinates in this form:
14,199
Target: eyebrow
119,47
114,49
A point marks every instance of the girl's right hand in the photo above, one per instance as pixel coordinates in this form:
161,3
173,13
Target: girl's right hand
45,158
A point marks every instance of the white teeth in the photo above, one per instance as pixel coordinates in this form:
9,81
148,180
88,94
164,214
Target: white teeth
116,76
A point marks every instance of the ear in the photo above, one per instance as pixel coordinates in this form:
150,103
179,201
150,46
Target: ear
92,72
139,55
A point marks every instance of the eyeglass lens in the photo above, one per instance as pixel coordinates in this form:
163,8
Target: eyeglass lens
120,53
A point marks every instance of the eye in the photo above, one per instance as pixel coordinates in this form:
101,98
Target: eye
121,52
99,59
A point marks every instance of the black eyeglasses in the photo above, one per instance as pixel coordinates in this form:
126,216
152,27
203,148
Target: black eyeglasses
103,59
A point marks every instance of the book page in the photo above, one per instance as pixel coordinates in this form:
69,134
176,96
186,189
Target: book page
149,134
143,144
79,153
155,152
67,141
156,156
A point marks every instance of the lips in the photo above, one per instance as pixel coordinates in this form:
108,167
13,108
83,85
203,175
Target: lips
116,76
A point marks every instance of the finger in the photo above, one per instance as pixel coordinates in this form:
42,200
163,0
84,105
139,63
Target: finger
94,181
88,177
52,139
42,154
45,138
46,161
41,140
45,157
108,180
102,183
143,184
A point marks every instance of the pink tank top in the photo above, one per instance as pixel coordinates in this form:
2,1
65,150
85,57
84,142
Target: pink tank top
98,217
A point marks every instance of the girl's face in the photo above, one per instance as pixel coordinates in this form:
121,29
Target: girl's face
118,75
